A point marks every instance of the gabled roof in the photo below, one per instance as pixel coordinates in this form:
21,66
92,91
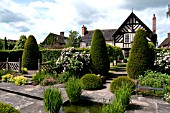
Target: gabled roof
130,25
52,39
166,42
107,33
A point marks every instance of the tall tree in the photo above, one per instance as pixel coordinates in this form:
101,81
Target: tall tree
1,44
73,39
20,43
5,44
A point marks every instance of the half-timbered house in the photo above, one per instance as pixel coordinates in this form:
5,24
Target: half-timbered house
123,36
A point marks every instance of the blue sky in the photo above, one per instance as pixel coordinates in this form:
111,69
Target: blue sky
40,17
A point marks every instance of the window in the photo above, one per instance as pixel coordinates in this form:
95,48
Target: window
127,39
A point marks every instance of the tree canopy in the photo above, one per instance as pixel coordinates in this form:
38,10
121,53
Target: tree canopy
20,43
73,39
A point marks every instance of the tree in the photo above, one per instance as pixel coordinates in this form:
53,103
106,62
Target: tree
20,43
1,44
30,53
152,54
5,45
73,39
138,61
168,12
99,55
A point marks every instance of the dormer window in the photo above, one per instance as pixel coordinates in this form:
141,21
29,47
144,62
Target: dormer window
127,38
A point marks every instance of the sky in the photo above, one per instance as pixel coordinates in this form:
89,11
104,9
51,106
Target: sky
40,17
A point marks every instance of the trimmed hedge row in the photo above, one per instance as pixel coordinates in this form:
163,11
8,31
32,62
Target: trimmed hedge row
45,55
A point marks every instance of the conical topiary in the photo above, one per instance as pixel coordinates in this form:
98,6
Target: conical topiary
99,55
30,53
138,60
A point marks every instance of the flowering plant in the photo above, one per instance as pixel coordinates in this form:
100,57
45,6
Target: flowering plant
167,97
72,60
162,62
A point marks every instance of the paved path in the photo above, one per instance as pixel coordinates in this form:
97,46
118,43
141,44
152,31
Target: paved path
28,98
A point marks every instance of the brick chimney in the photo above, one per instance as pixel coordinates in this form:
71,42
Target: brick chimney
154,24
84,30
62,34
168,35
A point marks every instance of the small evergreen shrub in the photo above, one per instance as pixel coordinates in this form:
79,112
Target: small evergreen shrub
52,100
30,53
7,108
138,60
91,81
121,80
74,89
99,54
20,80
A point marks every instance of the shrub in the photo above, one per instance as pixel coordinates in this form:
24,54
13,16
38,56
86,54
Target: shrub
125,60
71,60
120,81
162,62
7,108
38,77
138,60
155,80
30,53
7,78
99,55
20,80
91,81
48,81
24,70
167,97
52,100
20,43
74,89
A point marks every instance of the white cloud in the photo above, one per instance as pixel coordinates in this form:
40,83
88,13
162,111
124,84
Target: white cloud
41,17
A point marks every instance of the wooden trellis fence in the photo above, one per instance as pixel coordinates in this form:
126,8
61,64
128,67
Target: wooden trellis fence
46,66
14,66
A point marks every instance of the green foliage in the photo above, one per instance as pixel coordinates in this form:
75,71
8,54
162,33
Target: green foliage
7,108
152,55
20,80
155,80
121,101
73,39
24,70
21,42
91,81
120,81
7,78
74,89
5,45
12,55
138,60
38,77
99,55
11,45
114,52
48,81
1,44
30,53
52,100
64,77
4,72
